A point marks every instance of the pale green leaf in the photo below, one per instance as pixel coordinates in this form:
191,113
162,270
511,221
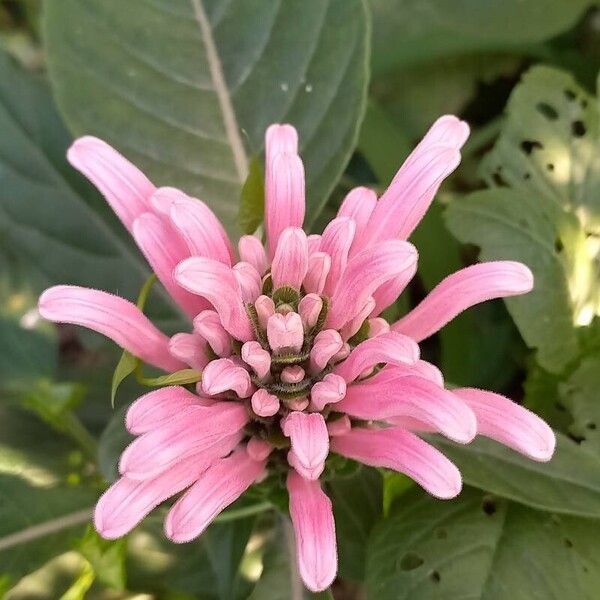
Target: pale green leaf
252,202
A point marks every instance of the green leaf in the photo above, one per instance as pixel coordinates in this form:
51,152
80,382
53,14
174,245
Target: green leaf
481,547
45,217
182,377
357,505
252,201
106,557
546,211
407,32
187,89
568,484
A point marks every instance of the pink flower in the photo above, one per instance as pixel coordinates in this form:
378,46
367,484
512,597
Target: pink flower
275,335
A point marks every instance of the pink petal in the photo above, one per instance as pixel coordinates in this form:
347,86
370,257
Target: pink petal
309,309
265,307
336,241
284,196
314,243
326,345
280,138
224,374
319,264
390,348
314,528
189,348
124,186
358,205
364,274
339,426
114,317
292,374
154,409
395,448
290,263
385,397
258,449
460,291
352,327
378,326
386,294
218,284
225,481
249,280
254,355
331,389
285,332
208,325
252,251
214,431
125,503
264,404
309,439
510,424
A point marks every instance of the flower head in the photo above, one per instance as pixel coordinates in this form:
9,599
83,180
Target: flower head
296,360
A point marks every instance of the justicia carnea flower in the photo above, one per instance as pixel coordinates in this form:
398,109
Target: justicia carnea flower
296,360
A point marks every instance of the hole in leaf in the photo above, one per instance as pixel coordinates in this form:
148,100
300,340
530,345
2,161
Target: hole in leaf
584,103
435,576
527,176
528,146
489,506
548,111
550,167
591,426
568,543
560,406
441,534
558,245
578,128
570,94
577,438
411,561
498,179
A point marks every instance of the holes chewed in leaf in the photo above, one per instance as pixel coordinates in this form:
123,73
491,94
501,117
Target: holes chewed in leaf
488,505
528,146
435,576
578,128
411,561
570,94
558,245
548,111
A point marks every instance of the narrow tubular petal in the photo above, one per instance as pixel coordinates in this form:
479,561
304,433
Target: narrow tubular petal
358,205
415,397
386,294
154,409
164,251
290,262
125,503
224,482
309,439
249,280
395,448
280,138
405,202
314,529
284,196
421,368
336,241
196,223
224,374
353,325
391,348
460,291
208,325
319,264
124,186
217,283
114,317
364,274
510,424
191,349
252,251
211,430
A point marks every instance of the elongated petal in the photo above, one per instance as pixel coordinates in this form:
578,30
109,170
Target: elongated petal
213,430
191,349
387,293
252,251
336,241
319,264
225,481
249,280
217,283
421,368
411,397
395,448
114,317
224,374
309,440
460,291
326,345
290,263
284,196
154,409
510,424
314,529
208,325
358,205
164,251
390,348
124,186
254,355
280,138
125,503
198,226
364,274
405,202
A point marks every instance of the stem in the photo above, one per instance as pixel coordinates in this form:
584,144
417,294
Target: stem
240,513
78,432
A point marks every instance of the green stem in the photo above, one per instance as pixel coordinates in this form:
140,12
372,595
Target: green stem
79,433
240,513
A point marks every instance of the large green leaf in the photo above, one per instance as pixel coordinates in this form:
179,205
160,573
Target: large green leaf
543,209
481,548
186,88
569,483
44,217
412,31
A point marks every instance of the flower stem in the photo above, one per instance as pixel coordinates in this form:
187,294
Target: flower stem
79,433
